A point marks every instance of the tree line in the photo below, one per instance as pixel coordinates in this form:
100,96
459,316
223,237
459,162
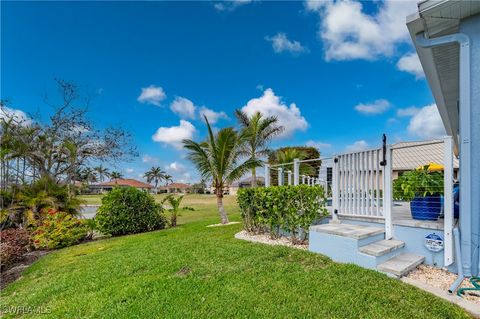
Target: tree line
63,148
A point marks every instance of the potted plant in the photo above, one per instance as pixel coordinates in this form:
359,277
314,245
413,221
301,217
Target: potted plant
424,190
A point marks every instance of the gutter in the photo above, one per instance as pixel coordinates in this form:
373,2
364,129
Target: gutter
465,148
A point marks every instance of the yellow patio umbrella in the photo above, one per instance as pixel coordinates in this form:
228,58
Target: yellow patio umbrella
432,167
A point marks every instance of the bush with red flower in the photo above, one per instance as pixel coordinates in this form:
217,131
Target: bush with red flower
58,230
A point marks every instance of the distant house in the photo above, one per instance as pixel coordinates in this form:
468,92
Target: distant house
175,188
127,182
407,156
246,182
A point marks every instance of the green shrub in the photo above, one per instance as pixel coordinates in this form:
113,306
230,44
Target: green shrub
279,209
127,210
58,230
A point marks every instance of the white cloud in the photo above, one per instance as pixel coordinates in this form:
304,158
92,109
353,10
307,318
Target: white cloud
18,116
349,33
357,146
280,43
183,107
176,167
408,111
427,123
411,64
152,95
149,159
271,105
230,5
211,115
175,134
376,107
318,144
129,170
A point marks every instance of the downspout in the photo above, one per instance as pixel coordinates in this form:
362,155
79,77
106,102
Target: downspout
458,256
464,143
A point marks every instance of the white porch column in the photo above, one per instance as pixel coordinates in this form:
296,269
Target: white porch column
280,176
303,179
387,194
267,175
448,205
289,176
296,171
335,184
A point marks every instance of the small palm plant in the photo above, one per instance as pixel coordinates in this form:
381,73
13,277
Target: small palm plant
218,159
174,209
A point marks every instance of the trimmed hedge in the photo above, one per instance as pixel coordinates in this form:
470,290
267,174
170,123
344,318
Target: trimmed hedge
279,209
127,210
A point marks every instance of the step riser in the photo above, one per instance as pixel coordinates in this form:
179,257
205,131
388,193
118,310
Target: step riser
343,249
407,263
376,260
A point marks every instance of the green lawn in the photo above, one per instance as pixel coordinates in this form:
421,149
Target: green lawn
195,271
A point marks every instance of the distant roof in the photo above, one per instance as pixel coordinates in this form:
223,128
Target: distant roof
410,155
126,182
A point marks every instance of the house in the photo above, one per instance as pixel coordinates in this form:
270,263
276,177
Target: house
121,182
365,226
410,155
446,35
246,182
175,188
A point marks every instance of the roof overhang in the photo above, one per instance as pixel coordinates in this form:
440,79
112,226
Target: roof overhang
437,18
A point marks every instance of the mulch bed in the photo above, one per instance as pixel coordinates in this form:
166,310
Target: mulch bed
14,272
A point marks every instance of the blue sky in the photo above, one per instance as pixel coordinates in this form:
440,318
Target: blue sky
338,74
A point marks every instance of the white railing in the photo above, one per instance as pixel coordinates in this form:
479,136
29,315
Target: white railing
361,186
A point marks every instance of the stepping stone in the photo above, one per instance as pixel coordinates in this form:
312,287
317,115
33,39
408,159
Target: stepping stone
401,265
380,248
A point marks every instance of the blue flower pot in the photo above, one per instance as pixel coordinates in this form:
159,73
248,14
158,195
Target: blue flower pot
426,208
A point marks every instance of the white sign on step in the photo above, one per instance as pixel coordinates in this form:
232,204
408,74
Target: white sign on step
434,242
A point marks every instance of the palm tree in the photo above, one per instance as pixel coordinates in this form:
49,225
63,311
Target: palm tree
155,174
168,179
288,155
102,172
217,159
116,176
89,175
260,130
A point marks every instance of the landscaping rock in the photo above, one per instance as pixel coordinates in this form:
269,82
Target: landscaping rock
265,239
441,278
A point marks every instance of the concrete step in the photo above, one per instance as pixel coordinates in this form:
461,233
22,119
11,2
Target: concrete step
348,230
401,265
382,247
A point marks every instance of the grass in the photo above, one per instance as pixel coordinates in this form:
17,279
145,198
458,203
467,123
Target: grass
195,271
